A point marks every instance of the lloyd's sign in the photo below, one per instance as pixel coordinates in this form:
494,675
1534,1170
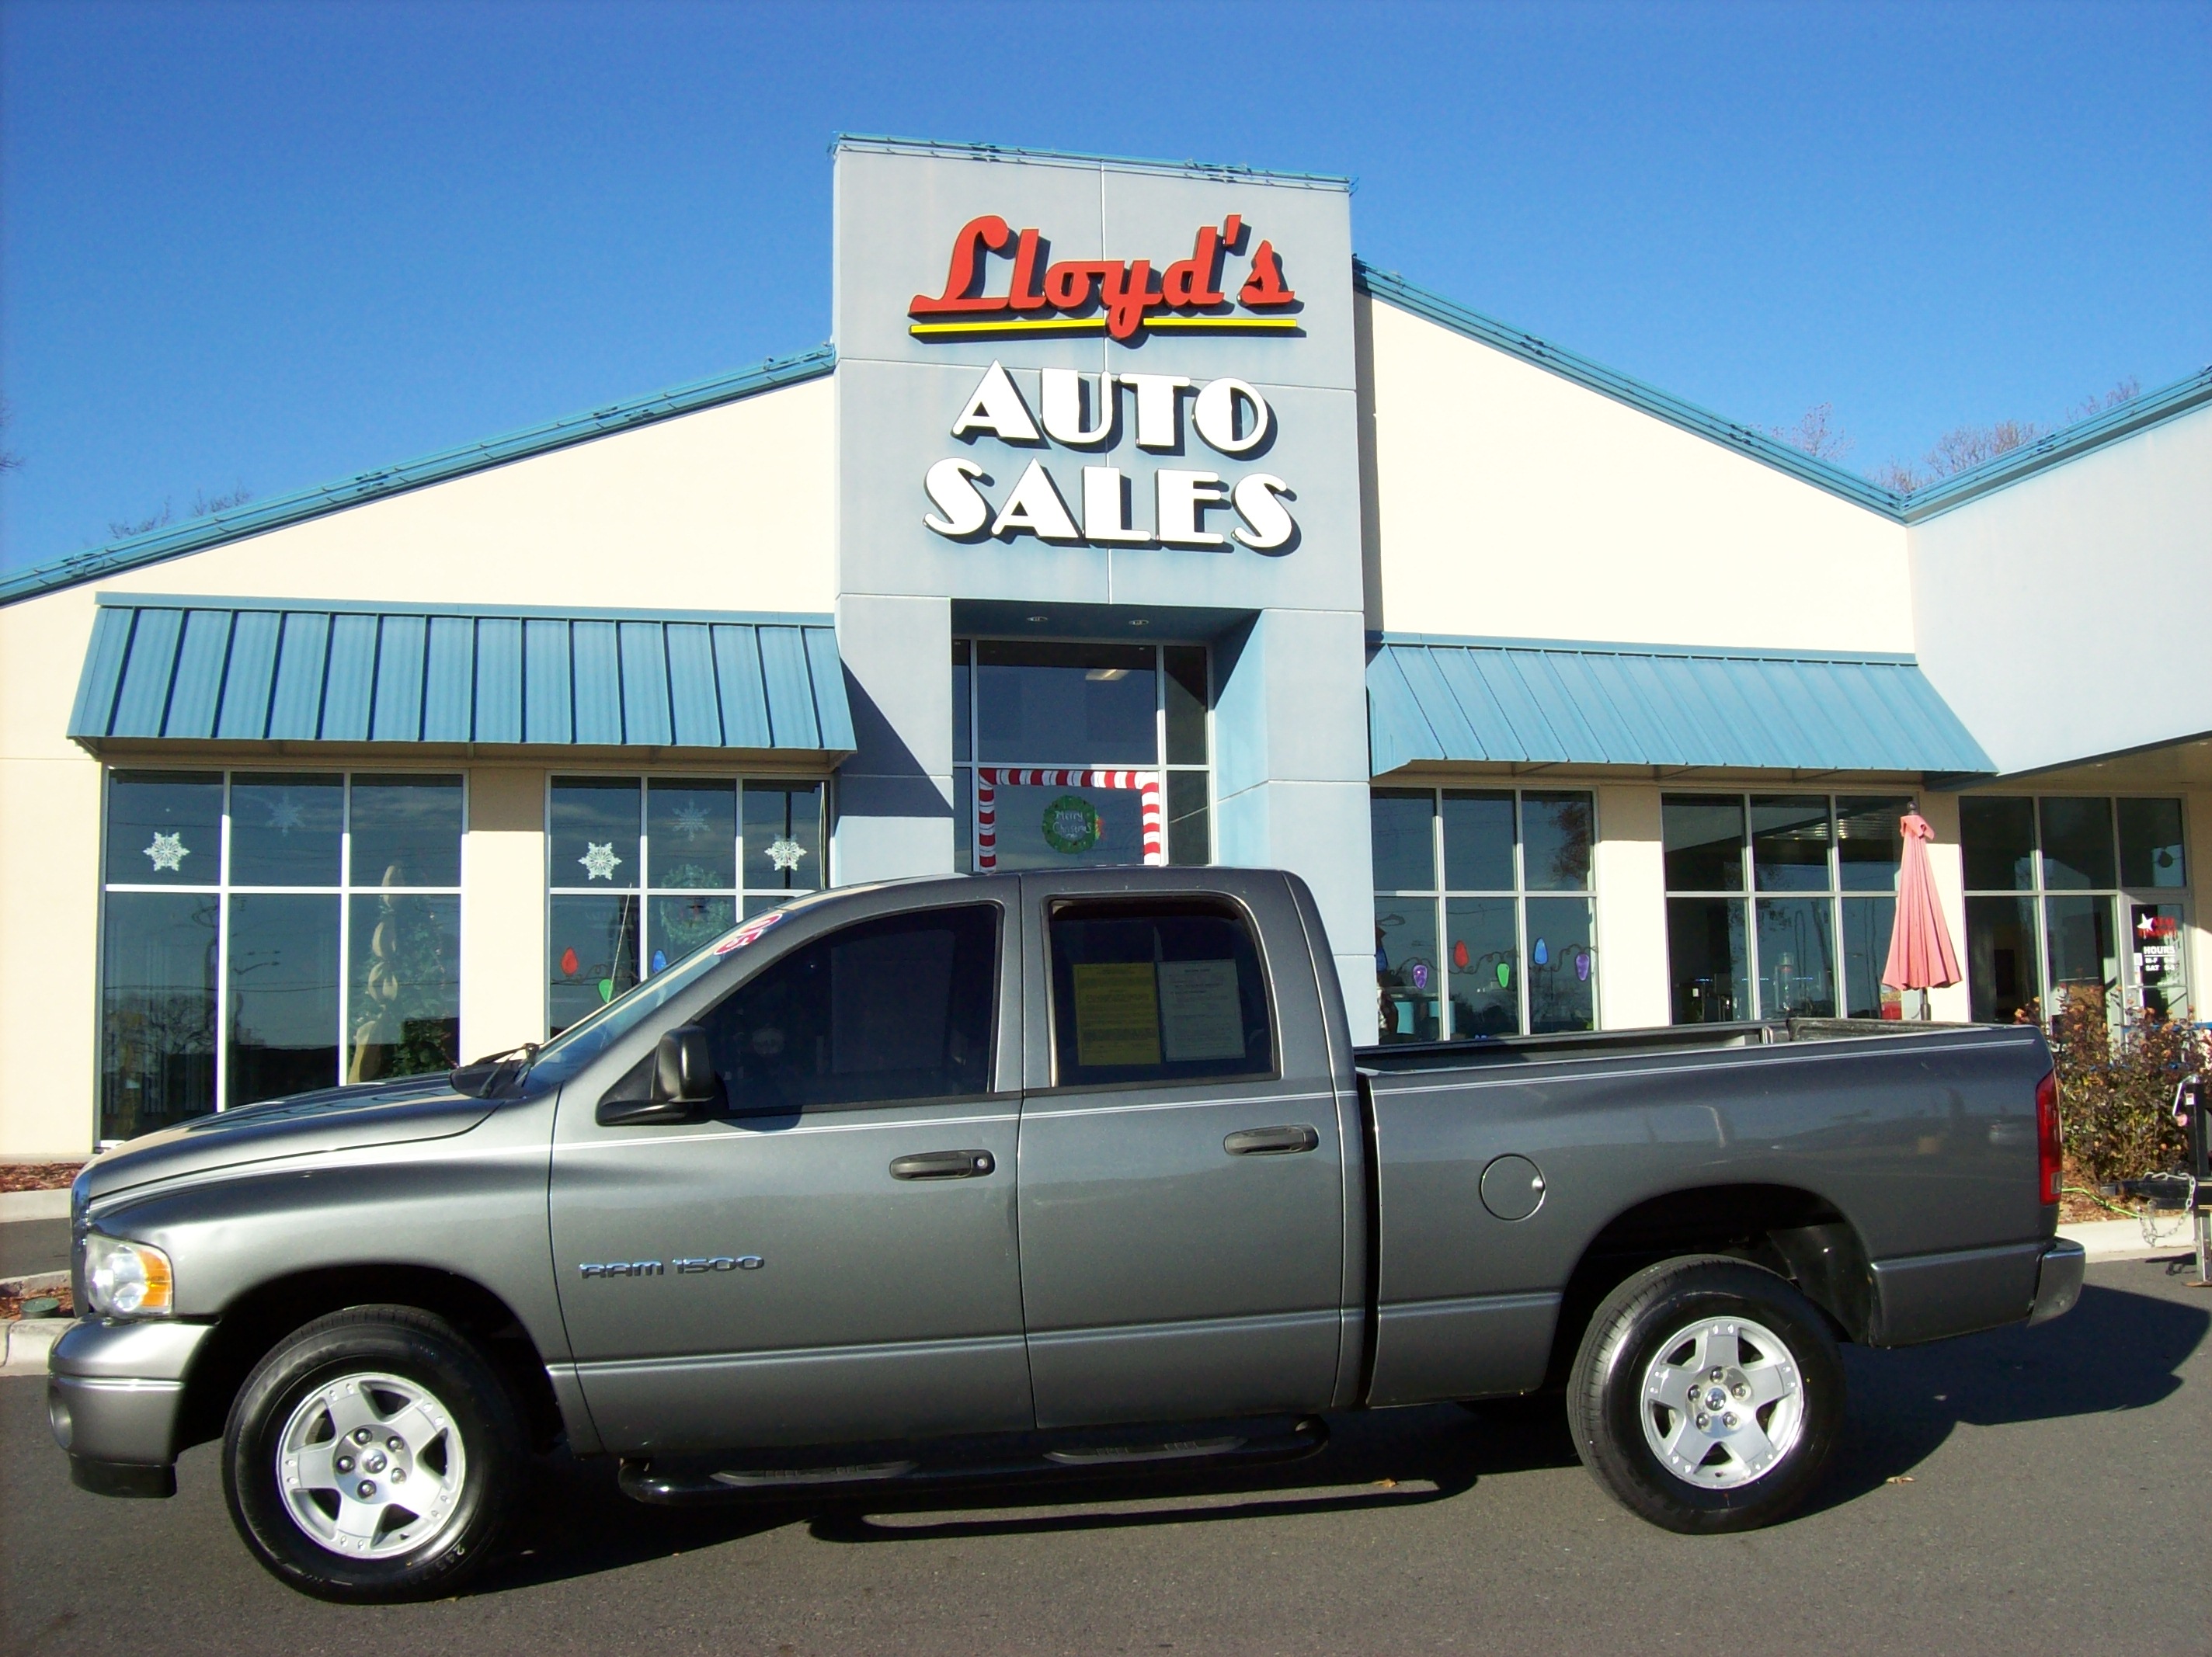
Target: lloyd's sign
1117,298
1076,418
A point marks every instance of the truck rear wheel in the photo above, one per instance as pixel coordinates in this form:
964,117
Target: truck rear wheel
373,1455
1707,1395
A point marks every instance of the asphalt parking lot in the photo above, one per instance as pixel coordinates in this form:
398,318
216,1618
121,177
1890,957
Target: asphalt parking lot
2043,1490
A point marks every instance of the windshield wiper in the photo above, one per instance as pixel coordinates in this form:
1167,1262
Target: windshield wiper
482,1078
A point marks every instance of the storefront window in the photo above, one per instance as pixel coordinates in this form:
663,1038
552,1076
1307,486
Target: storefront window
1075,755
267,932
1469,943
642,872
1780,906
2053,885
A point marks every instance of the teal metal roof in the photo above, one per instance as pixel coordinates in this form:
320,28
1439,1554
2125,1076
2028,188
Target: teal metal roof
255,517
1545,702
272,670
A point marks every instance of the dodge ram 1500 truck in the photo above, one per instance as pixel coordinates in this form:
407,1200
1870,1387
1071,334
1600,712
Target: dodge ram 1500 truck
1033,1174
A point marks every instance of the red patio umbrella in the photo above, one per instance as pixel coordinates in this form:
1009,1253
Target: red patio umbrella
1920,953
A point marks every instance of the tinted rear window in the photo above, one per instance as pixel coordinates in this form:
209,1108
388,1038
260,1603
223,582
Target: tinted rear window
1160,991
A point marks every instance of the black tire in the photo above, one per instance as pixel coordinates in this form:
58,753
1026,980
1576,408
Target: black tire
1639,1341
472,1470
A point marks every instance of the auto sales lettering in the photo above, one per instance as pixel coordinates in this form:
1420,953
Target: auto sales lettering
1175,507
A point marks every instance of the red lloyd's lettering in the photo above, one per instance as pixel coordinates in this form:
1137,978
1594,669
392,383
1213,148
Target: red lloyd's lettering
988,232
1123,290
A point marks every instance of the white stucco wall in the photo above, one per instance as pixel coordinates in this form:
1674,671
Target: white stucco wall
2047,608
724,509
1509,501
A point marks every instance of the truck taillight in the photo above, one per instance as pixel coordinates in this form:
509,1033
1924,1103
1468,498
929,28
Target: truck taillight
2049,1158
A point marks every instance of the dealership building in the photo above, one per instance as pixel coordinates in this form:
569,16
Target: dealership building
1129,517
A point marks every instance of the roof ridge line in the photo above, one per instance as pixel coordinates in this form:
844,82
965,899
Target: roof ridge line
459,607
1634,648
1637,394
953,148
2150,409
174,540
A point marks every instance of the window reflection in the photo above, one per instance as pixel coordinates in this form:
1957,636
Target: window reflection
1707,960
1406,970
282,1021
1789,843
404,985
157,1039
285,830
2087,870
221,996
1703,841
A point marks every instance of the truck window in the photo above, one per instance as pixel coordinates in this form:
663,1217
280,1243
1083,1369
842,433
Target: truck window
1157,991
888,1009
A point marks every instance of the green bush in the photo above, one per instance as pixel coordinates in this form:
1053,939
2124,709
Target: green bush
2116,1097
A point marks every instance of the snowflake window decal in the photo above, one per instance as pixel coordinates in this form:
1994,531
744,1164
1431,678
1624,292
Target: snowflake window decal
285,814
169,851
690,819
784,853
600,861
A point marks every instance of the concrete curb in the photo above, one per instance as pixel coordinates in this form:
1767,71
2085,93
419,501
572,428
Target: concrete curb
2118,1240
34,1205
29,1342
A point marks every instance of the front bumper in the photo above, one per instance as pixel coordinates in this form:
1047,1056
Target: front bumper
2058,1283
115,1392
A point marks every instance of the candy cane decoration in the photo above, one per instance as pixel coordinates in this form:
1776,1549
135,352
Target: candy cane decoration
989,779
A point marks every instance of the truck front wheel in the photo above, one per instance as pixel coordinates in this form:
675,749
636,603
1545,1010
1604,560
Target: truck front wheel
373,1455
1707,1395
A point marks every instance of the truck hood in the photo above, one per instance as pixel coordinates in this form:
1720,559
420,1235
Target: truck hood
328,1119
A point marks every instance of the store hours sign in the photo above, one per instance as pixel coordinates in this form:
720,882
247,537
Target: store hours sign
1070,422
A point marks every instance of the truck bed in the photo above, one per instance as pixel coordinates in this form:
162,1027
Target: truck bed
1402,1056
1900,1159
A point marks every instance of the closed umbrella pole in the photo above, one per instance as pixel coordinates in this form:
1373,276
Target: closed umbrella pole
1920,953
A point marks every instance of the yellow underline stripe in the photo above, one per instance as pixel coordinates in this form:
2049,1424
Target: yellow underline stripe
1097,324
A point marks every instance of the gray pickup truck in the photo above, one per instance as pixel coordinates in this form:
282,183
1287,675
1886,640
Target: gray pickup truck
1033,1176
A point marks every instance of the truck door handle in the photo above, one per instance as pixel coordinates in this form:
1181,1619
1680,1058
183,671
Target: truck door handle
1271,1141
944,1165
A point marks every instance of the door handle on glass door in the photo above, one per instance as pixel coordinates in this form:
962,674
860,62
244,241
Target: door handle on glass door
944,1165
1271,1141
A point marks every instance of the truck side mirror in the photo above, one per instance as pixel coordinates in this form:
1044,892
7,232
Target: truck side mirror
684,1068
680,1082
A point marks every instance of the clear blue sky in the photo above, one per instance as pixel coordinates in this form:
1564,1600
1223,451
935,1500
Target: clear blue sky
277,244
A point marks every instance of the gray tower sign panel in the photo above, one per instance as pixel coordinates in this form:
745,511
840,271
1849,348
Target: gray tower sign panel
1067,382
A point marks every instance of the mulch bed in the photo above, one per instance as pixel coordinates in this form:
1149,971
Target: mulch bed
12,1307
37,1177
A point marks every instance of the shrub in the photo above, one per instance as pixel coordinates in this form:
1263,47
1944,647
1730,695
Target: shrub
2116,1097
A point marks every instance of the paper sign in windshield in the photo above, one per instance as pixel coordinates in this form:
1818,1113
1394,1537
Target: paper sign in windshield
1200,1016
1117,1014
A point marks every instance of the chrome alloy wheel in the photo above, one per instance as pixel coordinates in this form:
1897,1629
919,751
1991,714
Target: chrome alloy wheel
1722,1403
371,1466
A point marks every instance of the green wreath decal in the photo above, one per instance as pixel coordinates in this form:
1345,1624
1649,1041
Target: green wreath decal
1072,825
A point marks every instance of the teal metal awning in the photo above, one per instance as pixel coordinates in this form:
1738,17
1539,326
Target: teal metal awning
1545,702
247,669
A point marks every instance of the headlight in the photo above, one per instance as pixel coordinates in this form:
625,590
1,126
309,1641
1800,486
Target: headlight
127,1279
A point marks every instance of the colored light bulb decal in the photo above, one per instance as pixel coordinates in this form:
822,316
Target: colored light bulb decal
659,959
1582,965
1420,975
1504,974
606,989
569,963
1543,953
1459,954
